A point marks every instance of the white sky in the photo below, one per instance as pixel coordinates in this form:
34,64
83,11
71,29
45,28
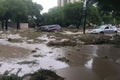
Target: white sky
46,4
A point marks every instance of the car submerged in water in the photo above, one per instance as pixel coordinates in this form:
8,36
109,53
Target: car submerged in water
105,29
51,28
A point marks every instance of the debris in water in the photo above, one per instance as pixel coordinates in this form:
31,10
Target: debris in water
27,62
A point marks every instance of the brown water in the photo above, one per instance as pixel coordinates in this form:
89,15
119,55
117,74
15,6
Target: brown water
92,62
7,51
86,62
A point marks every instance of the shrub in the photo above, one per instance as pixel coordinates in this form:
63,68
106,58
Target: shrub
45,75
11,77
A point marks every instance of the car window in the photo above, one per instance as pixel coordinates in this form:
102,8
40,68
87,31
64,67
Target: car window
111,27
51,27
106,27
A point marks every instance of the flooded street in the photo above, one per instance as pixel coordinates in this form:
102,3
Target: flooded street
86,62
93,62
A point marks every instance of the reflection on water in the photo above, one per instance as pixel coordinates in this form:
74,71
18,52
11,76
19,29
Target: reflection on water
89,64
100,63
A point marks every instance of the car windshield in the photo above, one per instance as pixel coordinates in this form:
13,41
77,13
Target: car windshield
101,27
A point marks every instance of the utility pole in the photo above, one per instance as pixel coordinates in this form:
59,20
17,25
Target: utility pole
84,14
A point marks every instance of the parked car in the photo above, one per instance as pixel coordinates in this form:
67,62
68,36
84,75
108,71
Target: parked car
105,29
51,28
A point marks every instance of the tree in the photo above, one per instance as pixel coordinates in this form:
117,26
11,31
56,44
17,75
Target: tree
34,12
2,12
93,15
19,11
71,14
109,5
109,8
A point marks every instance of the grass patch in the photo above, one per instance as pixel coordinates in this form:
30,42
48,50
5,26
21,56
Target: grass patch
95,39
15,40
45,75
30,33
27,62
38,55
10,77
63,59
38,75
116,40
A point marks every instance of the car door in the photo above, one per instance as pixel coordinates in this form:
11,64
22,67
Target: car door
112,29
107,29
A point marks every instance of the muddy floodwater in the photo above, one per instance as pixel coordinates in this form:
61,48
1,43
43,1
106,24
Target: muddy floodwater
7,51
92,62
81,62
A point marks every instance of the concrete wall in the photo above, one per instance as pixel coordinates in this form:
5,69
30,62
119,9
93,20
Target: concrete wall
24,26
13,26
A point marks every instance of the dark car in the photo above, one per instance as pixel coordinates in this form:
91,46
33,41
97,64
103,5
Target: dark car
51,28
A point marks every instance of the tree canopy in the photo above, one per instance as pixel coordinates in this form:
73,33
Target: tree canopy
71,14
19,10
109,5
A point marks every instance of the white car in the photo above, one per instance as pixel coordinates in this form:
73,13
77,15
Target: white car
105,29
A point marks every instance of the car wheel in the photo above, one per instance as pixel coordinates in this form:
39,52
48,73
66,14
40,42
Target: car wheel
101,32
115,31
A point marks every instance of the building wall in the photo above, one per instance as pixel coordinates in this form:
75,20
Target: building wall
63,2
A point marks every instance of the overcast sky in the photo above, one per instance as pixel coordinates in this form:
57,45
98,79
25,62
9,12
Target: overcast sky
46,4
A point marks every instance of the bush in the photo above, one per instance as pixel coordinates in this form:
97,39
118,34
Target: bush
38,75
11,77
45,75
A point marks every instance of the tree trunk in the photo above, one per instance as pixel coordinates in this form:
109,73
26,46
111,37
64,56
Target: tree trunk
18,22
6,24
3,24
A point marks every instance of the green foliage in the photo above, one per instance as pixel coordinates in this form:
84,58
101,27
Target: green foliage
93,15
95,39
54,16
110,8
108,19
41,74
109,5
20,10
11,77
71,14
45,75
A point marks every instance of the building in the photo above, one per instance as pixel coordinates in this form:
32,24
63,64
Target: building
63,2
